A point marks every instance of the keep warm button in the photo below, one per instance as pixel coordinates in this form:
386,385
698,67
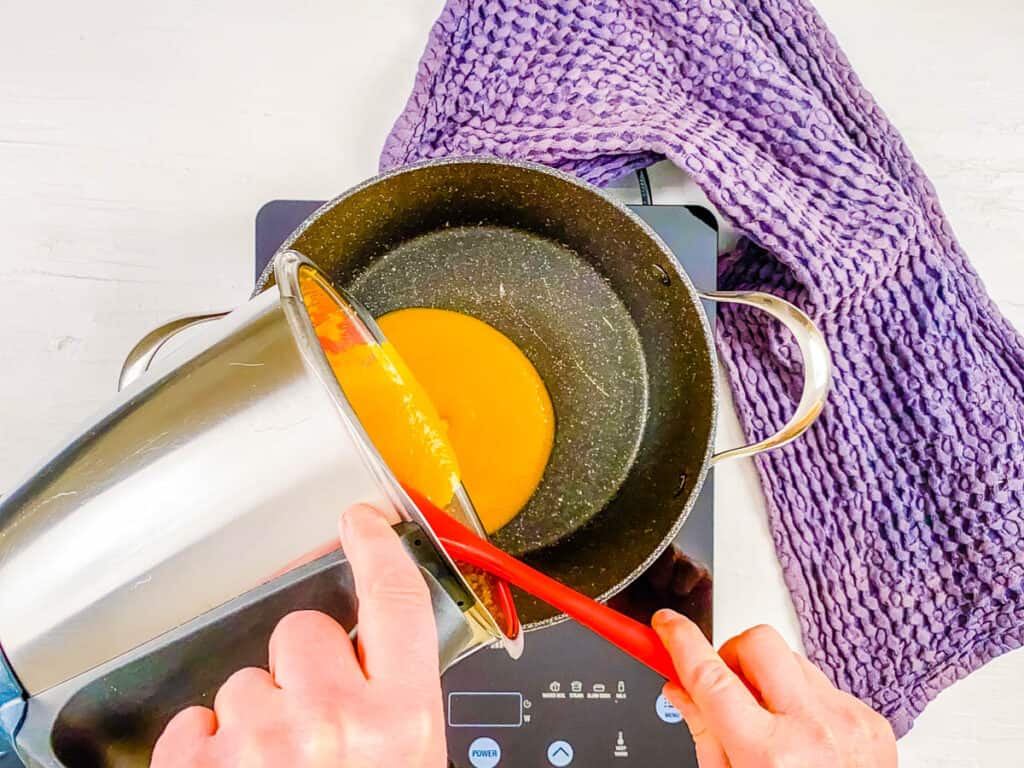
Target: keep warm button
484,753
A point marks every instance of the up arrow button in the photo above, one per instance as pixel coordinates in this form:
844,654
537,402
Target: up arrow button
560,753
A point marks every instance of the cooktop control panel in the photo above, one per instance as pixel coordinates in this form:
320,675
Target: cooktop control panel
571,699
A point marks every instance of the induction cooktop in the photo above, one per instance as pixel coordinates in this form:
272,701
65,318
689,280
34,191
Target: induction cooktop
573,699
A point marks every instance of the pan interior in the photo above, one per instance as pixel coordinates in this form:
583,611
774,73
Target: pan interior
572,326
559,225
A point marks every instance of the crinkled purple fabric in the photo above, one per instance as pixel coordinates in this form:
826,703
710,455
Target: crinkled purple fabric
898,517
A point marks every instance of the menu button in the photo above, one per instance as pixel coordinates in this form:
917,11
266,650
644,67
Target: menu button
667,711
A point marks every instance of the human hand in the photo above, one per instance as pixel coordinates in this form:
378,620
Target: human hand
322,704
757,704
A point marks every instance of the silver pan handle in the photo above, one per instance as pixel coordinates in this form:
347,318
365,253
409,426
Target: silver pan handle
817,367
141,355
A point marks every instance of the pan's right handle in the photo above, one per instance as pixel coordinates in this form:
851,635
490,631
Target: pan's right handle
817,367
141,356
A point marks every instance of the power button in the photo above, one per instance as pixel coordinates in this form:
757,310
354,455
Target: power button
484,753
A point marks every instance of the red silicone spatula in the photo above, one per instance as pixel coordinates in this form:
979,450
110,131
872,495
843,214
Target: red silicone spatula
636,639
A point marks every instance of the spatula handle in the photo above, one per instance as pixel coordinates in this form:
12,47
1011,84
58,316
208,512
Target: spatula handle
638,640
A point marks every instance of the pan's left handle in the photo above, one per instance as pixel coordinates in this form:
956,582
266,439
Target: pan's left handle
817,367
141,356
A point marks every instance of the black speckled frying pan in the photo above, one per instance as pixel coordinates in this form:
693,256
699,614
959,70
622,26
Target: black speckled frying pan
598,304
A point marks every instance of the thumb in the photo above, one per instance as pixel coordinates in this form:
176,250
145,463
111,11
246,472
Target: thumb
397,633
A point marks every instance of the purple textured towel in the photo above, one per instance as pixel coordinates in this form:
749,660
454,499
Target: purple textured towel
898,517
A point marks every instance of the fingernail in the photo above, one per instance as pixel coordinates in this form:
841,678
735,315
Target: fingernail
369,516
345,523
664,617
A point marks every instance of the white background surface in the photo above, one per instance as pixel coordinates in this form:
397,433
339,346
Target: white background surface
137,142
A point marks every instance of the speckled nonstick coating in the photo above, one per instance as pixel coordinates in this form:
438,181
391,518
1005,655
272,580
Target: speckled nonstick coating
595,301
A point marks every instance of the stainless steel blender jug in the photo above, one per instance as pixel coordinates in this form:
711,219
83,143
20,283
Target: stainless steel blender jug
142,564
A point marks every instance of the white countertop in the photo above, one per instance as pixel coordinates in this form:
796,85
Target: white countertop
138,140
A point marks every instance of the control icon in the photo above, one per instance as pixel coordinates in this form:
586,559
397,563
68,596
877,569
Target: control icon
667,711
599,687
560,753
621,687
555,686
484,753
621,750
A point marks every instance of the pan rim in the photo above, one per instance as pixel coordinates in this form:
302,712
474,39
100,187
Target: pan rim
636,220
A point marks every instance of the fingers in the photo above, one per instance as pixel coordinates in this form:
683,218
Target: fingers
397,635
728,709
763,658
710,752
243,697
816,679
311,651
183,738
190,724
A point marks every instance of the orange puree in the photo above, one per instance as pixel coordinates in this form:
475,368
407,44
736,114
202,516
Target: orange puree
393,408
444,385
497,410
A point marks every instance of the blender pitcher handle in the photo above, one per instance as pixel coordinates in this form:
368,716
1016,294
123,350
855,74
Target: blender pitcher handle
817,367
141,355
